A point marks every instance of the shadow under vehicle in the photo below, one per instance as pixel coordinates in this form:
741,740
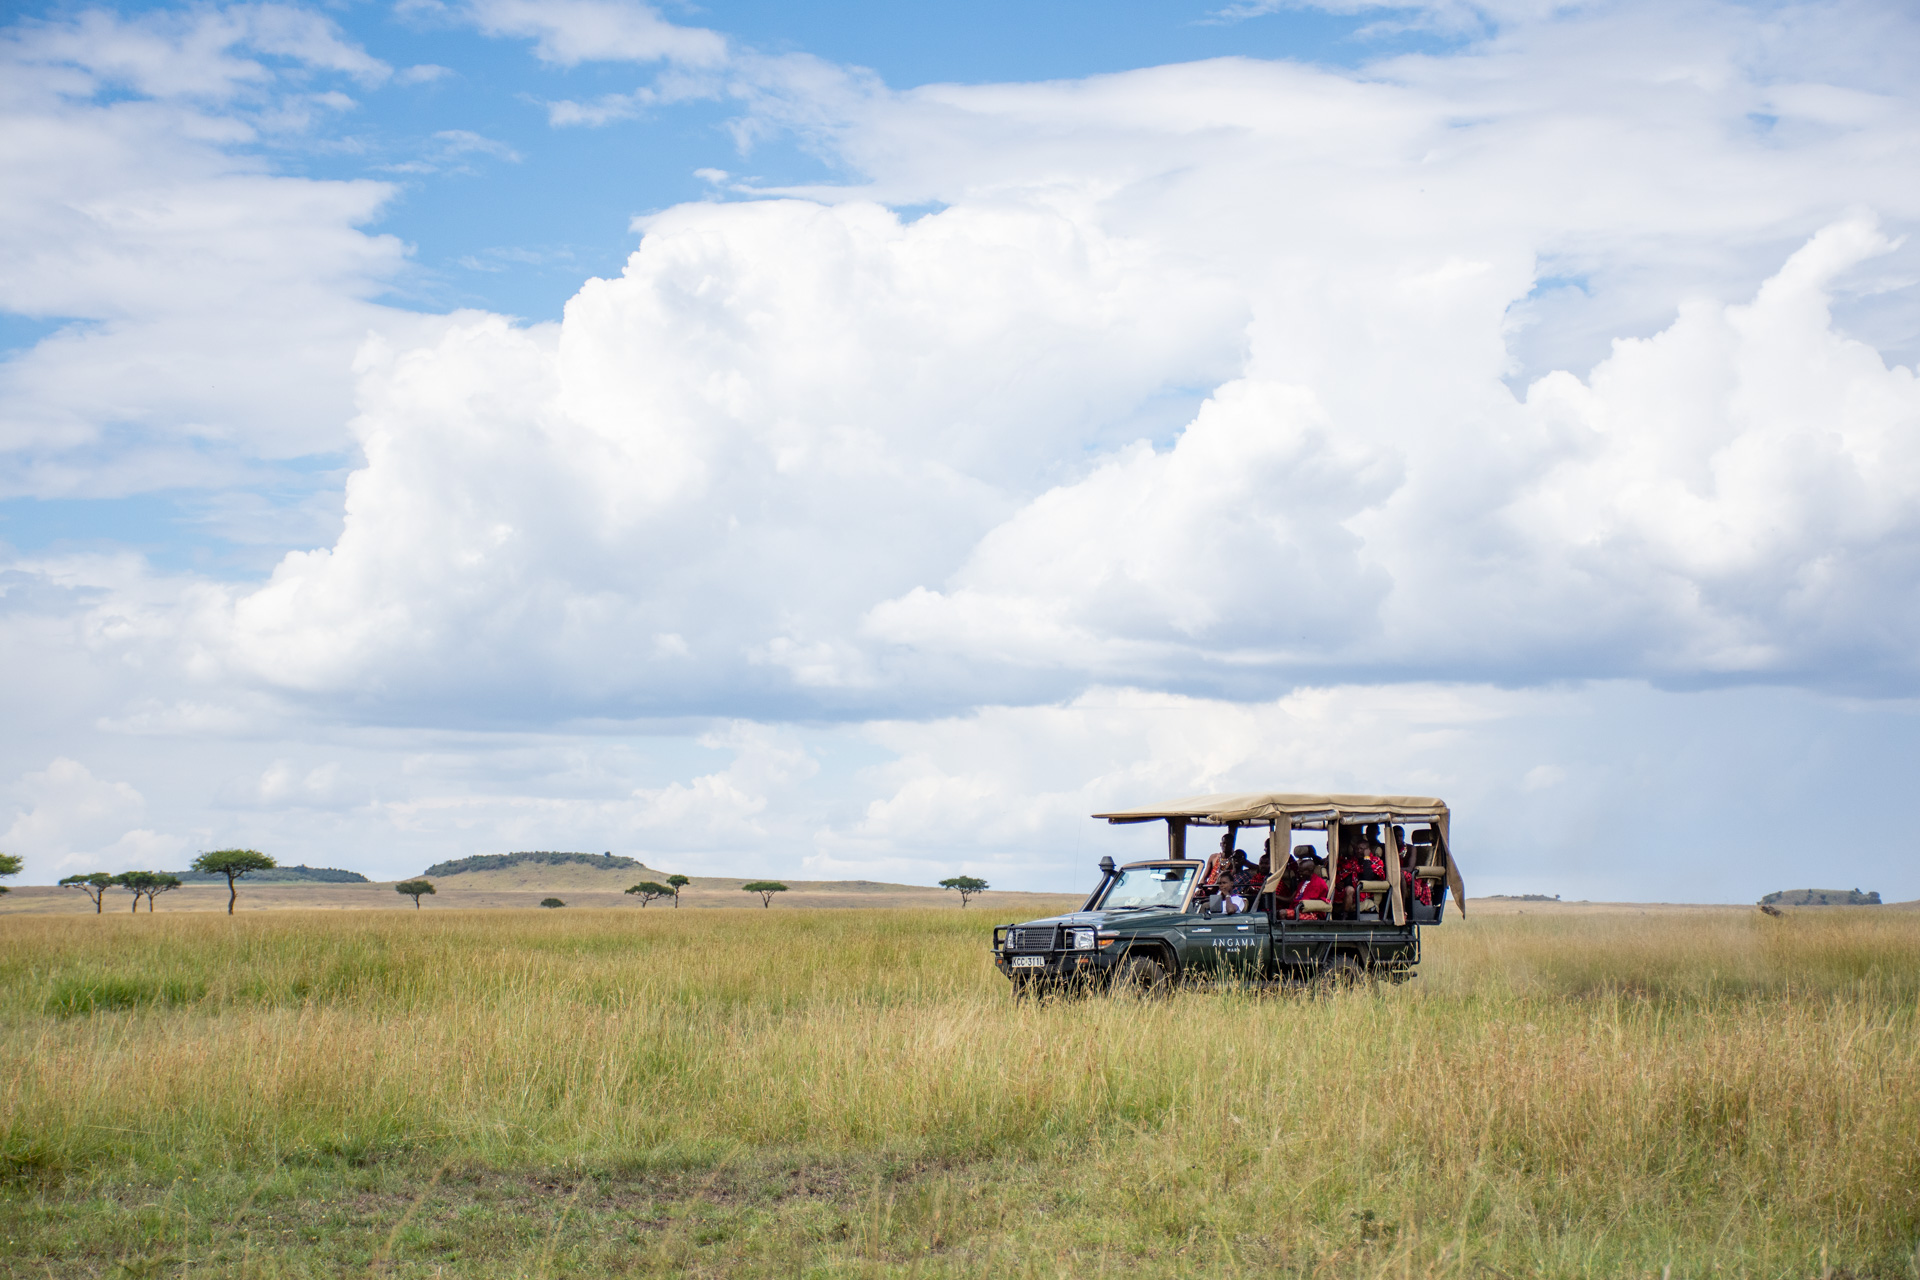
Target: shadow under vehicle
1148,922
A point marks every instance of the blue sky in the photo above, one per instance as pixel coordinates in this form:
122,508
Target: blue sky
863,440
500,210
515,229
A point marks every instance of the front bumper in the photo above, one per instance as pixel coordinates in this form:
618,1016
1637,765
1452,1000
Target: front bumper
1055,964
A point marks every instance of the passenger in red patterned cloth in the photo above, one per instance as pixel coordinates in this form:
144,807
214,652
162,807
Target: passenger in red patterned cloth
1291,875
1420,891
1373,862
1362,857
1312,888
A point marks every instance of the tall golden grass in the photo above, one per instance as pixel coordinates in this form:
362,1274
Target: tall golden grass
1581,1096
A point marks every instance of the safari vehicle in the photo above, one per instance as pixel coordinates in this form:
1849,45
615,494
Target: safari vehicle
1158,921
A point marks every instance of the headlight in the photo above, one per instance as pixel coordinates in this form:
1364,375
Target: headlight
1083,939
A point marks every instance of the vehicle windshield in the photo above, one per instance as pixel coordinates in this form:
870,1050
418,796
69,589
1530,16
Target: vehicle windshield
1138,887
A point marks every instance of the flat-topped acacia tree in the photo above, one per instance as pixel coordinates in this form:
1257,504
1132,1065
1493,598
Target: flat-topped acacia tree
9,866
966,885
94,884
648,890
415,889
146,884
677,883
765,888
232,863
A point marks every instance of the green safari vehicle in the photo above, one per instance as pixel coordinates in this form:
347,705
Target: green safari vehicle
1298,917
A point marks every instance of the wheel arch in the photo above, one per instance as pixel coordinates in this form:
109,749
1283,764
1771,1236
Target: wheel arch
1156,948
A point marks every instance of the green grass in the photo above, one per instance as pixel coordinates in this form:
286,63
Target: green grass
853,1093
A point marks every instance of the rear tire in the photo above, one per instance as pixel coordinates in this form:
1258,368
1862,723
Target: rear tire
1344,974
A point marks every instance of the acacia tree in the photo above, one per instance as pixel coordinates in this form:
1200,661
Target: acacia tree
967,885
130,881
649,890
414,889
94,884
677,883
552,902
232,863
146,884
9,866
162,882
765,888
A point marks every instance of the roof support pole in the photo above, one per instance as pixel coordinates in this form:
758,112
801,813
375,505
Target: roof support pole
1393,878
1176,838
1333,863
1279,849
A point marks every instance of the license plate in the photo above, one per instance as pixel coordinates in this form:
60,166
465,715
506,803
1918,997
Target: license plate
1029,962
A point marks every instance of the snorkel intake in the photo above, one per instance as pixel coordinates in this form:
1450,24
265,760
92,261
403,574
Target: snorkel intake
1107,872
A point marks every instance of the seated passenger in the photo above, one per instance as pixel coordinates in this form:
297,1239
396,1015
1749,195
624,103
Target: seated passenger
1420,891
1362,857
1311,888
1230,895
1207,885
1293,873
1372,865
1218,863
1217,876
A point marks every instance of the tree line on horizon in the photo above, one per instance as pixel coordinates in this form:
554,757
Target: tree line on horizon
229,864
233,865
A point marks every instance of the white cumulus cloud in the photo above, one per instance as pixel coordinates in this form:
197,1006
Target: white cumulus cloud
208,309
70,820
1223,424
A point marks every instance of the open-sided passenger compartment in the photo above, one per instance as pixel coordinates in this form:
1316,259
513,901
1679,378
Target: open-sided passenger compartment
1427,857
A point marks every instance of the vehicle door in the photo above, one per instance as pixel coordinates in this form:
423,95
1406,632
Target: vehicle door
1231,948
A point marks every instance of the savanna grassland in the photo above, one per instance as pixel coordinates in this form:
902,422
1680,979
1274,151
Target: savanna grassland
854,1093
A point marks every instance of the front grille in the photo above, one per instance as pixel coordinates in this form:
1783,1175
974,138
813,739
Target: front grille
1033,939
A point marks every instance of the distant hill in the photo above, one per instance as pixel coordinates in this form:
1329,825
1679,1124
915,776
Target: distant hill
1821,898
605,873
301,874
504,861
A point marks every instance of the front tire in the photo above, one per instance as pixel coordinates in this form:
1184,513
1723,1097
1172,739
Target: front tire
1144,975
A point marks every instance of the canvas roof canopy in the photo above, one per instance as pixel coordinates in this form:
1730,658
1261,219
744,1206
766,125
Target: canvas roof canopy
1286,810
1267,806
